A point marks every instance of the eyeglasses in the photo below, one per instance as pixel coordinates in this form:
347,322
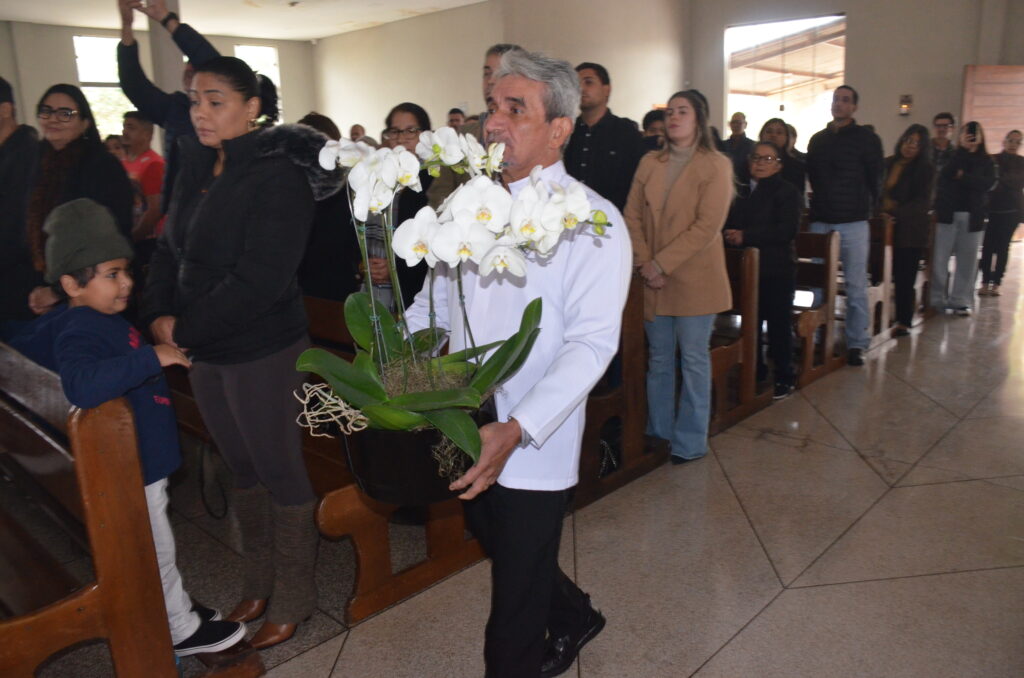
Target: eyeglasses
764,158
394,133
61,114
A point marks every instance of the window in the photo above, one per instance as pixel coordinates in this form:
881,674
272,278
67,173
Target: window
786,69
263,60
97,72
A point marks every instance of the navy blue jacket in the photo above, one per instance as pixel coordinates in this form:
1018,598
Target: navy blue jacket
844,166
100,357
170,111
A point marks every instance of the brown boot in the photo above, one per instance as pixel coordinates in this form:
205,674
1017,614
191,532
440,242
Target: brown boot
252,508
294,596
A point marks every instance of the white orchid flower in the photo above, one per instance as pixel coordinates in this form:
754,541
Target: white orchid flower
525,216
373,198
495,155
329,155
351,153
408,169
481,201
441,144
412,239
567,207
504,257
476,155
380,166
459,241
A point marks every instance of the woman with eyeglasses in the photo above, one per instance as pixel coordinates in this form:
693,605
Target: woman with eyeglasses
72,163
906,199
675,211
766,215
961,208
402,127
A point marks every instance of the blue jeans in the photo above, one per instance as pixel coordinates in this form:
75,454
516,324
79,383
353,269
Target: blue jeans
854,241
955,240
687,428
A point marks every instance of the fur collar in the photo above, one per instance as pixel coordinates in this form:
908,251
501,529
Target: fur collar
301,145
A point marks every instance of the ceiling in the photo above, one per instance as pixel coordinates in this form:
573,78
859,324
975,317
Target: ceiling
268,19
810,59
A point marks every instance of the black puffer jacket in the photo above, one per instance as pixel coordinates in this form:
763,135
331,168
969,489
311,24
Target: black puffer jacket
844,167
964,186
226,263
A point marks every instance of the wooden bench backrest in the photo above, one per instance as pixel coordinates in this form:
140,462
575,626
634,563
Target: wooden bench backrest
881,240
125,604
742,264
327,322
817,260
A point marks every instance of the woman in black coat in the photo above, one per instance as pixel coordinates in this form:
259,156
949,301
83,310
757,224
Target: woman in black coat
906,198
776,131
72,163
765,215
961,208
223,287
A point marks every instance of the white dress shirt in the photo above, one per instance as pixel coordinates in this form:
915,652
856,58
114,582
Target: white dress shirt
583,285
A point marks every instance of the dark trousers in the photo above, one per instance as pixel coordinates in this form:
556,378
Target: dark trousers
996,245
905,263
250,410
520,530
775,306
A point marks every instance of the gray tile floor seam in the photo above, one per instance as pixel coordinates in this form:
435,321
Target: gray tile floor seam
907,576
738,633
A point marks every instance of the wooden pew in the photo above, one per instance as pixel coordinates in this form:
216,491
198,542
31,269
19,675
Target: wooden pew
96,449
734,346
880,287
817,268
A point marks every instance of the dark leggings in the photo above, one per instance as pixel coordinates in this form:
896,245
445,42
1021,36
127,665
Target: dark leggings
775,305
905,262
998,234
250,411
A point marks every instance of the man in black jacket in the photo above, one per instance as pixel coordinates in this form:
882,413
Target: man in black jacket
604,149
18,154
170,111
844,166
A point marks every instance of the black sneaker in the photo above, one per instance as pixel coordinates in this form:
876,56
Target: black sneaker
206,613
211,636
962,311
782,390
561,652
855,357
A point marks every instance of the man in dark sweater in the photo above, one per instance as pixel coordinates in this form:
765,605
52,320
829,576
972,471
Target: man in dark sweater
170,111
738,146
844,166
100,356
18,154
604,149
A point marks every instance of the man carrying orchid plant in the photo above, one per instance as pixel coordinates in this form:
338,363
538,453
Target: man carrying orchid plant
517,493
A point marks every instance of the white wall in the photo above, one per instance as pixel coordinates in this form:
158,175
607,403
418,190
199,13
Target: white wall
39,55
916,47
432,60
639,42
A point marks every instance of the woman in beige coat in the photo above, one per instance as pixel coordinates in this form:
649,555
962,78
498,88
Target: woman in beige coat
677,205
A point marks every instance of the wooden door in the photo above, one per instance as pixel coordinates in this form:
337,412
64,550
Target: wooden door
994,96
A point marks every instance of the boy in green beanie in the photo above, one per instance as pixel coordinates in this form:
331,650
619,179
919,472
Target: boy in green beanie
100,356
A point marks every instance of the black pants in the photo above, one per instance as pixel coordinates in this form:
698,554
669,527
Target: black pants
520,531
905,261
250,412
775,305
996,245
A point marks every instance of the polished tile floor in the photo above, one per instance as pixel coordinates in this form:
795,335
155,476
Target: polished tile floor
871,525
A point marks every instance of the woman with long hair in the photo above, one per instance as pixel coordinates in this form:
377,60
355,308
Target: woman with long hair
776,132
72,163
1004,213
676,208
906,199
223,287
961,210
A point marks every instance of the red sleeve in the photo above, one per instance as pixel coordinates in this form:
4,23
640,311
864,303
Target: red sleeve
152,179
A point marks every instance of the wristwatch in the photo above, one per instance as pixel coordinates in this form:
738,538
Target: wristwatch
168,18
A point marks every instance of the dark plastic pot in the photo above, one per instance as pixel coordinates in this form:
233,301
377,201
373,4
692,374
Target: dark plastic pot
397,467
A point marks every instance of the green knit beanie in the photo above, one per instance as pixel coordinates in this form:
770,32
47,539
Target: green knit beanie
81,233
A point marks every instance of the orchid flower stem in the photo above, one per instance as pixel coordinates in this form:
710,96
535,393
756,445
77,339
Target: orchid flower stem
433,327
396,287
462,305
378,335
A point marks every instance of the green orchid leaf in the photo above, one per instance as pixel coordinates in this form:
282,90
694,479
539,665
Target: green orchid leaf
505,357
460,427
358,318
437,400
364,362
428,340
469,353
393,418
351,384
521,358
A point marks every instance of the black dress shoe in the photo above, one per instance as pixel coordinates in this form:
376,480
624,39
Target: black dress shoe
855,357
561,652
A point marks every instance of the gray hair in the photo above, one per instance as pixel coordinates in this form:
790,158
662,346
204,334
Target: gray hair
501,48
562,85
